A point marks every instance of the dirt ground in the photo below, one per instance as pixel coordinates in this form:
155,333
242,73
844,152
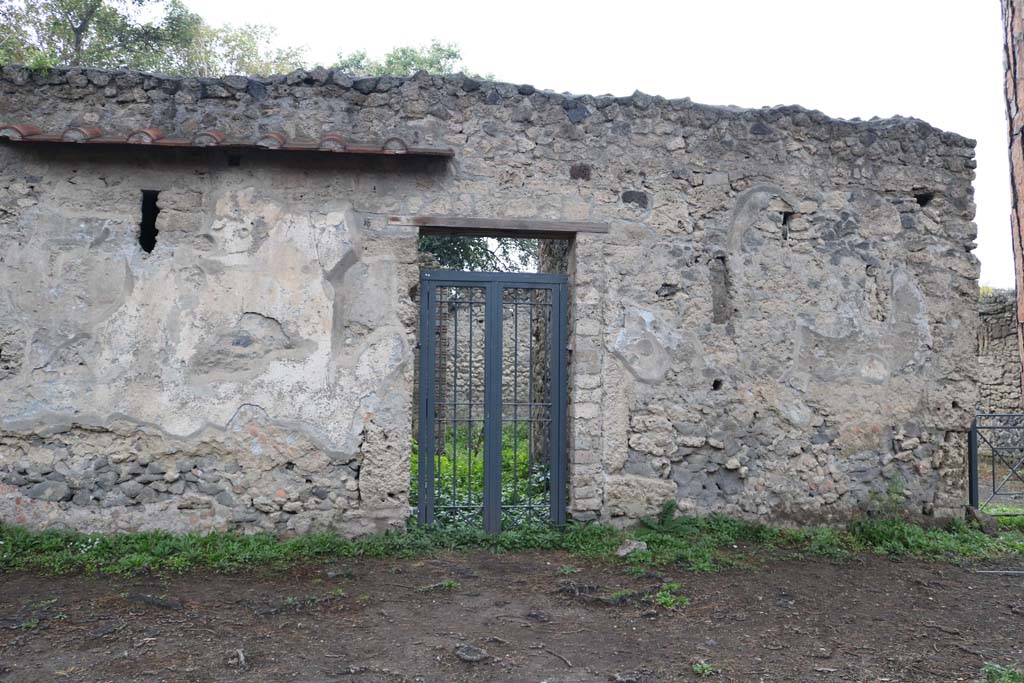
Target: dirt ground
526,617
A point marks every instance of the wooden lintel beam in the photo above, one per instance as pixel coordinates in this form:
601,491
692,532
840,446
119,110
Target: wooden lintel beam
501,227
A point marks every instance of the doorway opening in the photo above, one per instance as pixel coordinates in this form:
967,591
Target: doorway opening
490,428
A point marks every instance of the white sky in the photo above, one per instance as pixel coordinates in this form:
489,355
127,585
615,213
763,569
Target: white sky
938,60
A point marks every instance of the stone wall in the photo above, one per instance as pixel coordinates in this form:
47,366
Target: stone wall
780,322
998,355
463,380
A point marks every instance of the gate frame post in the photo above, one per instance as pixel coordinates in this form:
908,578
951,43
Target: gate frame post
493,332
425,450
560,401
972,464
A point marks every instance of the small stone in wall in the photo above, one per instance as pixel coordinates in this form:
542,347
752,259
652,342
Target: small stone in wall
635,197
226,499
663,466
52,491
667,290
131,488
580,171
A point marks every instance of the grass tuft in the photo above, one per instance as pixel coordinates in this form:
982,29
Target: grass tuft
703,669
996,673
669,596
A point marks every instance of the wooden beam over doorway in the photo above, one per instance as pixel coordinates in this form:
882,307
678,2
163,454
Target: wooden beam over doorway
499,227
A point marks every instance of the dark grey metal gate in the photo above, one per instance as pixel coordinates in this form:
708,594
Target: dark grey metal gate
492,398
995,450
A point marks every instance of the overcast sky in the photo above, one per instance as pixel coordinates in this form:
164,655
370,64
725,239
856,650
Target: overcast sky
938,60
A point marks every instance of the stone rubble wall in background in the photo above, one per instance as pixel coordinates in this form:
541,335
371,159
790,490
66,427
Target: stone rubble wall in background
998,355
463,380
780,324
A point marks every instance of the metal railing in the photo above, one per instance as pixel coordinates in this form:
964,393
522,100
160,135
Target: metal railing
995,449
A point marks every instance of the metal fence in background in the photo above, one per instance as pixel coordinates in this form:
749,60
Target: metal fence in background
995,448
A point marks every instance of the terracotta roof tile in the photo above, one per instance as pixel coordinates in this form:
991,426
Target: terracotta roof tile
330,143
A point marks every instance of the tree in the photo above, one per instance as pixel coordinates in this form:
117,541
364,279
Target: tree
110,34
14,37
1013,24
482,253
215,51
99,33
436,58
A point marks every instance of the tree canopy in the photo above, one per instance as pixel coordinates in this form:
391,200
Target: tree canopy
481,253
165,36
435,58
148,35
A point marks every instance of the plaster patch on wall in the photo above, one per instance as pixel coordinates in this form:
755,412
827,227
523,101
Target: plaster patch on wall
642,346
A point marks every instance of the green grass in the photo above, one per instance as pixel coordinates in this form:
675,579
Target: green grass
1013,519
620,595
63,551
670,598
459,468
692,543
703,669
995,673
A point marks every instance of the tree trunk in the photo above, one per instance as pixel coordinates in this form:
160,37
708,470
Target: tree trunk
76,55
1013,61
78,30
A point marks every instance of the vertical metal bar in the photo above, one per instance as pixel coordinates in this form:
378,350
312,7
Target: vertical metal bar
455,398
972,467
558,398
994,454
531,399
425,472
469,406
443,312
515,396
492,407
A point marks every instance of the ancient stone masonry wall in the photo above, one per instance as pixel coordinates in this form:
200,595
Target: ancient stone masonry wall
779,324
467,361
998,357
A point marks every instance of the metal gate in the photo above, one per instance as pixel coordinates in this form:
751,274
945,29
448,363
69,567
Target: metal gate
995,449
492,398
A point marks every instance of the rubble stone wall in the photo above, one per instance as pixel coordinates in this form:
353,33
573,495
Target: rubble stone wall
998,356
463,380
779,324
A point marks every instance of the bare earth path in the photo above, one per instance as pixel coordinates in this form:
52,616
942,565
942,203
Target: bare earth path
362,621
